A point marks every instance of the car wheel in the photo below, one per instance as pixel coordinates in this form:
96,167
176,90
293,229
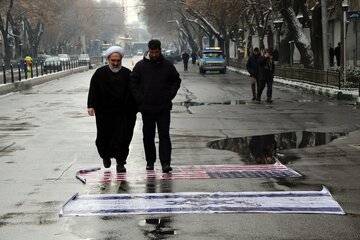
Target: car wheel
223,71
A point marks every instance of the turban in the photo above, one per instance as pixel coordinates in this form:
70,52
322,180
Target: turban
114,49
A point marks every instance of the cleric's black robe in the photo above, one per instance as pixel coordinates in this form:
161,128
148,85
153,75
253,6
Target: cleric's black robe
115,112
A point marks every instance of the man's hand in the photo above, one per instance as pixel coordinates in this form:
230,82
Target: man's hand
91,111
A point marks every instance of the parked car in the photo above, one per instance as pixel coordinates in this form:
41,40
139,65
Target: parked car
42,57
64,58
172,56
84,59
52,64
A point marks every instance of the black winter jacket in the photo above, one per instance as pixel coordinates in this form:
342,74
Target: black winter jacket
154,84
266,69
110,91
252,66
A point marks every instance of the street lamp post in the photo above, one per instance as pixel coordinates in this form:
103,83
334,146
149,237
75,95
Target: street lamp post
345,7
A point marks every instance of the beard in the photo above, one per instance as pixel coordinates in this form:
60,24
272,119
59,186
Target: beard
114,69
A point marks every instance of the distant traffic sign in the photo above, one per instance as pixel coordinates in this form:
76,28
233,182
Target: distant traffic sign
353,15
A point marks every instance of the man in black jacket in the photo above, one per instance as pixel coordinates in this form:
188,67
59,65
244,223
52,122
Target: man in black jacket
253,69
266,76
154,83
111,100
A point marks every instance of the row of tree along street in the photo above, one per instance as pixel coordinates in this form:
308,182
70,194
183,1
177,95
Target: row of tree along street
292,28
242,25
56,26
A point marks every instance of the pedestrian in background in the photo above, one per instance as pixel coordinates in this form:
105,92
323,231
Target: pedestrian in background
331,55
155,82
185,57
111,102
266,75
253,69
193,58
338,54
28,63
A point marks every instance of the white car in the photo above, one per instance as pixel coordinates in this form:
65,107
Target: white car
64,58
84,59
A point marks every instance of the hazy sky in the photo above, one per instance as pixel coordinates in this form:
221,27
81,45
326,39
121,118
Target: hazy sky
132,9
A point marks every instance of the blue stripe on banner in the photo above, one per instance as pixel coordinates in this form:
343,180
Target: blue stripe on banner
169,203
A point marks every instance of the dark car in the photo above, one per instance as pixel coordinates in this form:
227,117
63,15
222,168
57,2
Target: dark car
52,64
41,57
172,56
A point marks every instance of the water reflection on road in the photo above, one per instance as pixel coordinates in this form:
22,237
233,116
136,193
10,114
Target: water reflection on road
263,148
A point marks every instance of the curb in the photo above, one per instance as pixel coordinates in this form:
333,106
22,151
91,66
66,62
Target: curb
31,82
317,89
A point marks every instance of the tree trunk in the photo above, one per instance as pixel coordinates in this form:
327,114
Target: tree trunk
316,37
4,28
284,49
298,35
190,38
34,35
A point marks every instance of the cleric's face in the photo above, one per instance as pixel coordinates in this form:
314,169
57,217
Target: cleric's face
115,60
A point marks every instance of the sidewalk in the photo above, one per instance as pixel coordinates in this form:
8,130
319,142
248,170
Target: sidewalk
31,82
341,94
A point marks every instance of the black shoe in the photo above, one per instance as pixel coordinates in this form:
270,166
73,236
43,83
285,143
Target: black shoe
269,101
253,99
107,162
258,101
167,169
150,166
120,169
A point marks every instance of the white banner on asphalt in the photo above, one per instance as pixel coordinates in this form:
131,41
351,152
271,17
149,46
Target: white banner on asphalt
203,202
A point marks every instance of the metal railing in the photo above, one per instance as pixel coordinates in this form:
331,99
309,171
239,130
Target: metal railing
330,77
19,71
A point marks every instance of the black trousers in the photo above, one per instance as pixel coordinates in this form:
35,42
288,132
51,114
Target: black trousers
186,65
162,122
260,88
114,134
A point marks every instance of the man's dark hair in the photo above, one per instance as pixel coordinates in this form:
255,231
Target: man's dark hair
154,44
256,49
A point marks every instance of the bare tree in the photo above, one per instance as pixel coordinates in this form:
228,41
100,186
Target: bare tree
5,31
294,32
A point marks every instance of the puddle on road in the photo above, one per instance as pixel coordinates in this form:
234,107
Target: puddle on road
263,148
192,104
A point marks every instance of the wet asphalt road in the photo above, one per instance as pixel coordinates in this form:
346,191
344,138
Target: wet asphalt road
46,137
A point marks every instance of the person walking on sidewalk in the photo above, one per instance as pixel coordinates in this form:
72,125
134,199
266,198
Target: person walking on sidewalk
338,54
185,57
266,75
193,58
253,69
111,102
154,83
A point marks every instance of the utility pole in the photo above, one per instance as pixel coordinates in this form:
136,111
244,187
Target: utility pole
345,8
324,26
